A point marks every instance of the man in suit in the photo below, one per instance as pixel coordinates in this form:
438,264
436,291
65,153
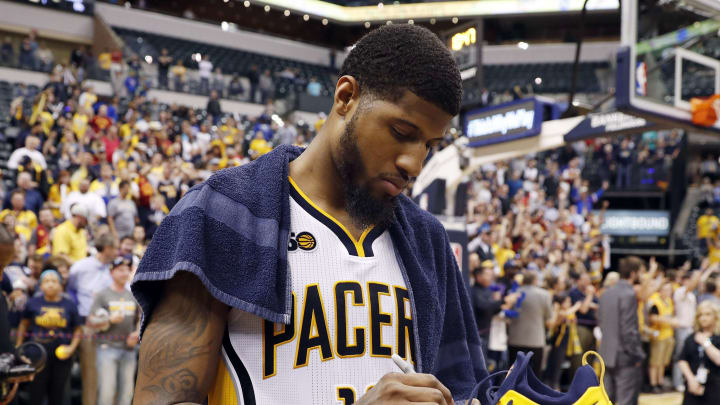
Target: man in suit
526,333
620,345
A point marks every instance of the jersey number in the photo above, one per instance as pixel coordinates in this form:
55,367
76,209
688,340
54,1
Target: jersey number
346,394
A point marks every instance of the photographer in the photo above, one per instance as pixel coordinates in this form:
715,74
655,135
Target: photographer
7,252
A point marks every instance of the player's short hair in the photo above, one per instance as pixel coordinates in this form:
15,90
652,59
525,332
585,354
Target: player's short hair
394,58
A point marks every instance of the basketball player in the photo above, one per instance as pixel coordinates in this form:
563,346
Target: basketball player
293,279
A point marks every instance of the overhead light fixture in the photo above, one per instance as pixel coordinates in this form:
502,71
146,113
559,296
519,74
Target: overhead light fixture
286,12
246,3
523,45
455,20
433,21
306,17
411,22
324,21
367,24
267,9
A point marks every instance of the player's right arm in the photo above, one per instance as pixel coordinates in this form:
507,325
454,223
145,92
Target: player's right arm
180,348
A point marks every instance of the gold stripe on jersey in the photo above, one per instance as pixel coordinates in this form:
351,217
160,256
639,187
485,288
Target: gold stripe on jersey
223,391
322,215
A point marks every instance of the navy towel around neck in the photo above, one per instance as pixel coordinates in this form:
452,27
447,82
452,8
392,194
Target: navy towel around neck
232,233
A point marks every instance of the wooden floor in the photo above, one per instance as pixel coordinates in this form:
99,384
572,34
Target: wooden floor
673,398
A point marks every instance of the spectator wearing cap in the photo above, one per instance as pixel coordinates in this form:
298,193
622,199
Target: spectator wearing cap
526,332
116,315
482,244
70,238
88,277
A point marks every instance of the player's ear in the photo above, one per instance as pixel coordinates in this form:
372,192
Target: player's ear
347,95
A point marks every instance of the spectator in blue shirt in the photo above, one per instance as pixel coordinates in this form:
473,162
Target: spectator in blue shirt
314,88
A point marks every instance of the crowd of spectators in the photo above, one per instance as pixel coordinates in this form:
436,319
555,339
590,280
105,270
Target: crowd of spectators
540,265
88,182
91,178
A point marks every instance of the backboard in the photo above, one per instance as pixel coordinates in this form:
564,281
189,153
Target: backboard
670,54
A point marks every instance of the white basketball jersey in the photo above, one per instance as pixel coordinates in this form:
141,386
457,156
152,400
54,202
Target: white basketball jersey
351,311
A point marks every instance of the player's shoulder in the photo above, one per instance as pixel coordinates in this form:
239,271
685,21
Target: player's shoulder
419,220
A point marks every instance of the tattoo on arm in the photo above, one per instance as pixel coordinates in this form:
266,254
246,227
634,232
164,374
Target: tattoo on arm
180,384
181,345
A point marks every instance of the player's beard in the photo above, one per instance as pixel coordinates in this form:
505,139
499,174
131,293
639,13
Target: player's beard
363,207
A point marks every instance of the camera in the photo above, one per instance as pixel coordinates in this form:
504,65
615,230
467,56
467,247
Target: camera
29,358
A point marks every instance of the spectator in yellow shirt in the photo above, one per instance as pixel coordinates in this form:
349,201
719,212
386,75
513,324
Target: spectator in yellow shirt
707,225
259,146
80,123
70,239
713,246
25,220
178,72
105,59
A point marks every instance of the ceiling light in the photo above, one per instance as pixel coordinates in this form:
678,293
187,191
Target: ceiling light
455,20
267,9
324,21
306,17
286,12
367,24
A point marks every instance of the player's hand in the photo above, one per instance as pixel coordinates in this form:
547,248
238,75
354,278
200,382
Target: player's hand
398,388
473,401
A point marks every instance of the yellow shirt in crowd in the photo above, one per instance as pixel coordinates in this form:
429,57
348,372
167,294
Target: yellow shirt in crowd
105,60
79,125
70,241
25,221
713,254
707,226
665,309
